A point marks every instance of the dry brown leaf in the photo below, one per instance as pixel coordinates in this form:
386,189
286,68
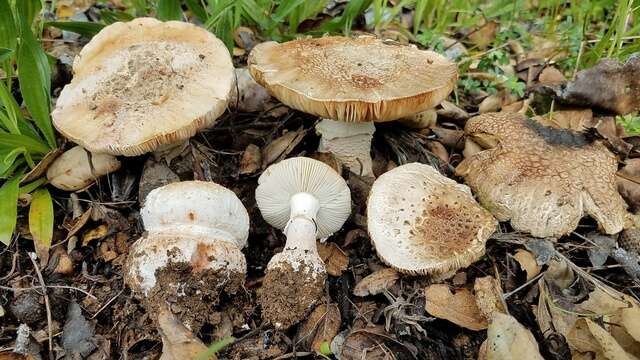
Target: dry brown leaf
178,343
94,234
449,110
551,76
628,182
528,263
460,307
507,339
376,282
251,160
322,325
438,149
484,35
579,119
489,296
335,260
608,345
327,158
279,148
368,343
76,224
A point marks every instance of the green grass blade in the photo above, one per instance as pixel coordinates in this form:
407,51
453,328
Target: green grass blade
34,75
13,115
5,53
8,208
215,348
41,222
169,10
197,9
27,11
85,28
8,31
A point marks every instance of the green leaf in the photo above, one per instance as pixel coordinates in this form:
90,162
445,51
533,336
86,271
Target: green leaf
111,16
169,10
215,348
8,31
34,75
13,114
27,10
8,208
5,53
84,28
11,141
197,9
41,222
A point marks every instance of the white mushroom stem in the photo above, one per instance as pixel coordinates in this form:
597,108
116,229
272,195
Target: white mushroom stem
301,230
349,142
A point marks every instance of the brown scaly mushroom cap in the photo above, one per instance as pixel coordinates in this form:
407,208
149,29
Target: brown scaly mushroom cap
353,79
144,83
422,222
542,179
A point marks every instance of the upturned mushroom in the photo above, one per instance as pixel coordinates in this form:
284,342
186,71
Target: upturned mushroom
354,82
191,250
307,200
76,168
144,83
542,179
421,222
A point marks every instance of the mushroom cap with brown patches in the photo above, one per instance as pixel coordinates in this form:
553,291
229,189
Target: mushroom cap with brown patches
542,179
144,83
421,222
353,79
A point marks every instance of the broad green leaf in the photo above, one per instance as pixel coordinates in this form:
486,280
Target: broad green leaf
28,188
169,10
197,9
41,222
6,173
8,208
10,141
5,53
8,159
27,10
34,75
8,31
111,16
285,8
85,28
12,114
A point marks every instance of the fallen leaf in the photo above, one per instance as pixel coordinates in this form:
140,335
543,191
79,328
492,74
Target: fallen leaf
628,182
453,49
154,175
178,342
507,339
76,224
41,223
421,120
42,166
484,35
277,149
95,234
251,160
77,335
327,158
449,110
599,254
528,263
608,85
489,296
368,343
376,282
460,307
579,119
610,347
335,260
551,76
322,325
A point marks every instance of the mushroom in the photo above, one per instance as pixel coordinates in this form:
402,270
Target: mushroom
191,250
306,199
421,222
353,81
542,179
144,83
76,168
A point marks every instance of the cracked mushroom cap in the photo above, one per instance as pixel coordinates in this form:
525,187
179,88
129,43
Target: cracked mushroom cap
542,179
144,83
279,182
198,223
75,170
353,79
421,222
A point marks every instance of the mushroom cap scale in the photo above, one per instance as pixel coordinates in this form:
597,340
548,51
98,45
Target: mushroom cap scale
144,83
542,179
353,79
281,181
197,208
421,222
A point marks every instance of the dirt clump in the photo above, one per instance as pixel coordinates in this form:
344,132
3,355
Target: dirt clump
287,295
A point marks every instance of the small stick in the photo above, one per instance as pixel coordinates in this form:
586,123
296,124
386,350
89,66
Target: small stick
32,257
50,287
105,305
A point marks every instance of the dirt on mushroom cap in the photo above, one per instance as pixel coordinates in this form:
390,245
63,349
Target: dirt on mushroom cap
542,179
361,79
287,296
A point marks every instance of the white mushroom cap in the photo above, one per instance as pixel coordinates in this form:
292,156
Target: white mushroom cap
144,83
196,222
73,170
281,181
422,222
197,207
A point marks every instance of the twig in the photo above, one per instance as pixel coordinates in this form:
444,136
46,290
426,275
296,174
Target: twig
13,267
32,257
505,296
48,286
105,305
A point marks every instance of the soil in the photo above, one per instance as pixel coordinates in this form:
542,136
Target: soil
192,295
287,296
